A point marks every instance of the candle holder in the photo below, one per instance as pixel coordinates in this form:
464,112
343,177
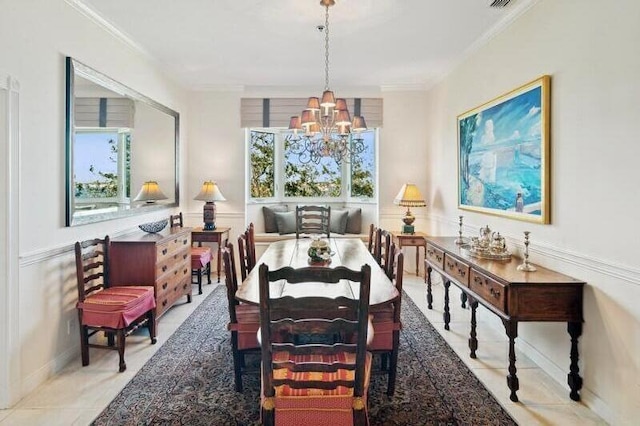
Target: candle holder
459,241
526,266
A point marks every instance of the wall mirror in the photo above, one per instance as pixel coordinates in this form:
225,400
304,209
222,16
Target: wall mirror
116,141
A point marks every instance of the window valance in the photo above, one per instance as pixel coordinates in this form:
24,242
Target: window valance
276,112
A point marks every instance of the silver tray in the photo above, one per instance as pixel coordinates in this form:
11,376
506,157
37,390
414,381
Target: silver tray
487,254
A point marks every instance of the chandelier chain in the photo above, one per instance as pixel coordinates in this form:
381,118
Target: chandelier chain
326,48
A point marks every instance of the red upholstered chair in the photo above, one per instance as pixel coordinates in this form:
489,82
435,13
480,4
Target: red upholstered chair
314,384
117,310
200,256
387,325
244,319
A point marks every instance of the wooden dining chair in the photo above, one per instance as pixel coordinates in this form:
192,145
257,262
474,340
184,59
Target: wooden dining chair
387,325
373,233
313,220
246,251
244,319
115,310
383,242
314,383
200,256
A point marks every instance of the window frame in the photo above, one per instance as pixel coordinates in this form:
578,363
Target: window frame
279,179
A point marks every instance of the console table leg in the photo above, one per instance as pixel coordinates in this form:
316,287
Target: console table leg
573,378
463,299
473,341
446,315
511,328
427,278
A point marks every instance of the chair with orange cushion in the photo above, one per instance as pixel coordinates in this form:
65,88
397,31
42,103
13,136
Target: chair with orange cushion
116,310
200,256
314,383
387,324
244,319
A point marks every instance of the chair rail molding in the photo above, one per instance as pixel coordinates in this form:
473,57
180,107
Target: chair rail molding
9,238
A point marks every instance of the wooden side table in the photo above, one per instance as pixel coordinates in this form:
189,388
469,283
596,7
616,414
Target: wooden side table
416,240
219,235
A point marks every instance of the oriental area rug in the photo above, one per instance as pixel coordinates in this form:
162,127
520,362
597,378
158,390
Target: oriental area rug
189,381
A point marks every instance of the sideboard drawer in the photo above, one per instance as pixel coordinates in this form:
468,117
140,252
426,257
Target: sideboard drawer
489,289
458,270
435,256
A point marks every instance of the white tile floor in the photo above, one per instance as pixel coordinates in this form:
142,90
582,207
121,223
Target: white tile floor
77,395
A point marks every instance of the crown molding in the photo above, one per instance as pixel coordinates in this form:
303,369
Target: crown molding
417,87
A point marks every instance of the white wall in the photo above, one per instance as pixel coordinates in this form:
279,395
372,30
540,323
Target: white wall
217,151
590,50
35,37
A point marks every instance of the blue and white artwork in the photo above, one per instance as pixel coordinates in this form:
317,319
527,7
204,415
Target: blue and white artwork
503,149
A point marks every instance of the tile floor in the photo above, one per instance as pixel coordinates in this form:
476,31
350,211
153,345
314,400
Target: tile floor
77,395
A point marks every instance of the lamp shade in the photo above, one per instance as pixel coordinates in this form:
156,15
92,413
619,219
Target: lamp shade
150,192
409,196
210,192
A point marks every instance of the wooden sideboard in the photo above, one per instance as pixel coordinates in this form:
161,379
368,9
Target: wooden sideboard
513,295
161,260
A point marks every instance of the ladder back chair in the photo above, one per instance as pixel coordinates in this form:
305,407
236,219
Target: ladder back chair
313,220
115,310
387,324
314,383
373,233
200,256
244,319
247,251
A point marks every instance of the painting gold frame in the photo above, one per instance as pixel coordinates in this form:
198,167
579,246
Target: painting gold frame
503,154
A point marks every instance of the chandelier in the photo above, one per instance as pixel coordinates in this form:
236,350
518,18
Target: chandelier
325,129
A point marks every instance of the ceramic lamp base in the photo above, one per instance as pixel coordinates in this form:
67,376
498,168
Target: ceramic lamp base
408,229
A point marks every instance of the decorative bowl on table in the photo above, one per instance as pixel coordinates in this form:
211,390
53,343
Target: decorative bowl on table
153,227
319,252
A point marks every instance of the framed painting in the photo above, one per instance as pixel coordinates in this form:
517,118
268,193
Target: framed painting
503,154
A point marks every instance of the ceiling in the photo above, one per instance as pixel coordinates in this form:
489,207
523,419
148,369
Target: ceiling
206,44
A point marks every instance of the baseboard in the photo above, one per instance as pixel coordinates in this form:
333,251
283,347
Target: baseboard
41,375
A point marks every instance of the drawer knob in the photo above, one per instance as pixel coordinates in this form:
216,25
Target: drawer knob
164,251
164,268
439,258
164,302
494,293
477,280
175,272
164,286
184,256
184,242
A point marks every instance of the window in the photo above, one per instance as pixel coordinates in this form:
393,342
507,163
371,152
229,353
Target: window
262,150
102,165
290,178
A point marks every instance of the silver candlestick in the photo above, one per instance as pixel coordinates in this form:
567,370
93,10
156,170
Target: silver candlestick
526,266
459,240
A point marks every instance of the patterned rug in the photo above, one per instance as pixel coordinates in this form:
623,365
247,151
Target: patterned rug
189,381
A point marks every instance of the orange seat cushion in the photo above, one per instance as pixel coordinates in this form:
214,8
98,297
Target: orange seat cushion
319,407
200,256
248,317
116,307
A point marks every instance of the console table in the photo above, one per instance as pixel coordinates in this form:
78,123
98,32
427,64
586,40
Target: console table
512,295
219,235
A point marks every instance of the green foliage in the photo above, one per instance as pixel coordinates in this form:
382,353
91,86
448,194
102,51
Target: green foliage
311,180
262,180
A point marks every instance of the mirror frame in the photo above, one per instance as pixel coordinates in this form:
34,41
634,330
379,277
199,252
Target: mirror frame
73,69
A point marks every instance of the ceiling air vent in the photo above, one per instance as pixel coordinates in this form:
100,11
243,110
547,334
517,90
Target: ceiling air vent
499,3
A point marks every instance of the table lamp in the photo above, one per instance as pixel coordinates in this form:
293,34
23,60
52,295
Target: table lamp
209,194
409,196
150,192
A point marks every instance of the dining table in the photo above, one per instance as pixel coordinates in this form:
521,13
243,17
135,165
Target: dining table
348,252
